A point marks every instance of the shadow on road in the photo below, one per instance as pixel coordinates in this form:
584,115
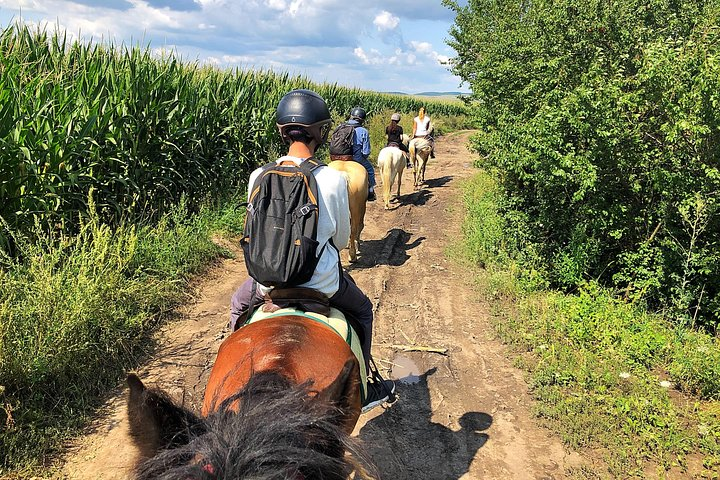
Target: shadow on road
391,250
417,198
405,443
438,182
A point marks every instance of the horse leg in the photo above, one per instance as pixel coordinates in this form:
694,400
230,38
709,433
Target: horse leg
386,173
352,244
399,177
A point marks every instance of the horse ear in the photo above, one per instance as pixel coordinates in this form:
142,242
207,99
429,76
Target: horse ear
344,392
155,421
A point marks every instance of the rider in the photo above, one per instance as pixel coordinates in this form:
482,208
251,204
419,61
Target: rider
303,120
423,128
361,147
394,133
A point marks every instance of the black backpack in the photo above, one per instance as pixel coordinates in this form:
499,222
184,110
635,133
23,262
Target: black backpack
280,236
341,140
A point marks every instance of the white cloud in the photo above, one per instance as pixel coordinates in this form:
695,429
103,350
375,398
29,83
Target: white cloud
422,47
351,43
426,49
386,21
277,4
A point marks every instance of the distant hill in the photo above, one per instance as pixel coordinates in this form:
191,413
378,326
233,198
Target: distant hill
439,94
430,94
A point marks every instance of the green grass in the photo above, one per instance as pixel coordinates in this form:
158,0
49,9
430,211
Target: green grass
74,312
595,362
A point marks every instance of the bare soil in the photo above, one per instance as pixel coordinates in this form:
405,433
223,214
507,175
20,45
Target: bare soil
462,415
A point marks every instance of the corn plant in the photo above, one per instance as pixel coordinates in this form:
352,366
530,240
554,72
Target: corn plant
140,131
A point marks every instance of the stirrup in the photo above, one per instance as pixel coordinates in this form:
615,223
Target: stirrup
387,395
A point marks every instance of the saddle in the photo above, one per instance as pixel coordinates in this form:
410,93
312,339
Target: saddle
306,300
342,158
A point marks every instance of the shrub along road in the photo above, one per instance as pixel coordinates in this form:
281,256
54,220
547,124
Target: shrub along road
466,414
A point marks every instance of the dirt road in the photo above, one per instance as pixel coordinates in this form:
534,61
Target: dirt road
464,415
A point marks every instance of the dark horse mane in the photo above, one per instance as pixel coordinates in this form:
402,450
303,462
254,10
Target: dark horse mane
275,434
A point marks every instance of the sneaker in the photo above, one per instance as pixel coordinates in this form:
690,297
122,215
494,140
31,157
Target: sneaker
378,393
371,196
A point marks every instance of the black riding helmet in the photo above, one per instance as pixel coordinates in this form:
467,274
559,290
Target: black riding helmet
358,113
303,108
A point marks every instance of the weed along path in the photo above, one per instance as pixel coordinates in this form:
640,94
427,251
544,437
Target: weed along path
462,414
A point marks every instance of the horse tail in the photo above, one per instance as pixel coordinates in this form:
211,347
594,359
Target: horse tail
346,176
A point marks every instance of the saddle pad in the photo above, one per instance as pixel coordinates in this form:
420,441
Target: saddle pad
336,321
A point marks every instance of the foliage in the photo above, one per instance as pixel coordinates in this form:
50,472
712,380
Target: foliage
601,119
598,364
139,130
73,313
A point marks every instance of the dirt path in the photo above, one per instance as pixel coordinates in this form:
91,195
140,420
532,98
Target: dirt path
464,415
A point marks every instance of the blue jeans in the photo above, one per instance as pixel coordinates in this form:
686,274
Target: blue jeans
349,299
371,171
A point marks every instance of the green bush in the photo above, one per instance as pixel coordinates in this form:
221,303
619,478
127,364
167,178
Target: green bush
598,365
602,123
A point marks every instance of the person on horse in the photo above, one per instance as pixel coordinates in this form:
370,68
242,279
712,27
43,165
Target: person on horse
303,120
361,147
423,128
394,133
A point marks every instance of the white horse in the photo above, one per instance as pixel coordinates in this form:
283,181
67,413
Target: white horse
391,162
420,149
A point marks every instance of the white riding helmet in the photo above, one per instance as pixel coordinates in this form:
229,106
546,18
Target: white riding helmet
395,117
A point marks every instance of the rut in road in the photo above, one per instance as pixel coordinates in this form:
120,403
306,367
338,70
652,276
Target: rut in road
466,414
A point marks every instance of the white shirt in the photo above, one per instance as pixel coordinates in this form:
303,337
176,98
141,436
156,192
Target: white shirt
333,222
422,127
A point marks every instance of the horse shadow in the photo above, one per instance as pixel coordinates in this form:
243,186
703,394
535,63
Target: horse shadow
438,182
391,250
404,442
416,198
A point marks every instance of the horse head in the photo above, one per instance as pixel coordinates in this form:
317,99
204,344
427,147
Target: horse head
282,420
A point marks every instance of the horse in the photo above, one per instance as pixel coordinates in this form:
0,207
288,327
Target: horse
420,149
391,162
281,402
357,178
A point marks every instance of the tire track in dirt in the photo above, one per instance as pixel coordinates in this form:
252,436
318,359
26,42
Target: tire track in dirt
469,413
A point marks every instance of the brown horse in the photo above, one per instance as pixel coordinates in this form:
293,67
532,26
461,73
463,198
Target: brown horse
282,399
357,178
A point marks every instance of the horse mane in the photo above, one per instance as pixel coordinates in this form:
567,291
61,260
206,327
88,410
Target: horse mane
277,433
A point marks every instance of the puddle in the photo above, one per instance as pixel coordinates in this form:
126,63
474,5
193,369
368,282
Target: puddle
404,370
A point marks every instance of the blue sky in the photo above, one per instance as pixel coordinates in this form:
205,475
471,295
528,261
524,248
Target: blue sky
381,45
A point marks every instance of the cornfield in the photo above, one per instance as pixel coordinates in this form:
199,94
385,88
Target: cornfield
137,130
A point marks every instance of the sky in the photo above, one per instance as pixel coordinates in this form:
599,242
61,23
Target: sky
379,45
